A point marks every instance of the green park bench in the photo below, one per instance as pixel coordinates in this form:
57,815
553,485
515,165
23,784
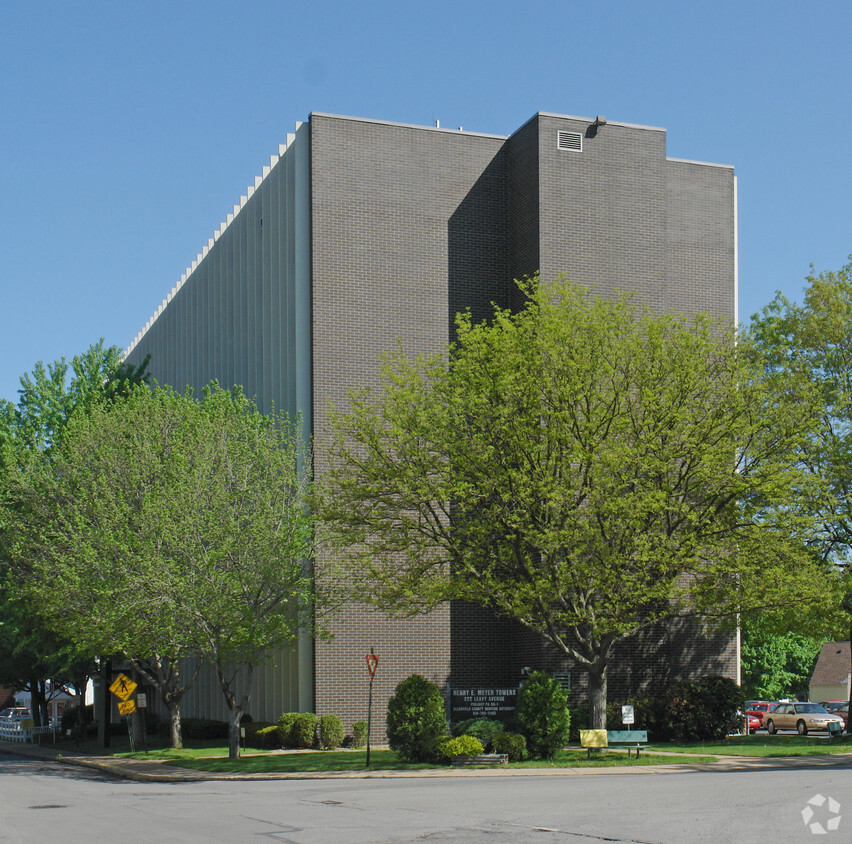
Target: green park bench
601,739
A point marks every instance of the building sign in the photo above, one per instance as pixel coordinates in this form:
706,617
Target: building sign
482,703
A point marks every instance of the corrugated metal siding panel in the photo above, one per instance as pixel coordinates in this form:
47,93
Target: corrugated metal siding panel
234,320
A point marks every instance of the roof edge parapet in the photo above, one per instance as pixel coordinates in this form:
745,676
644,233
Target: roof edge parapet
185,276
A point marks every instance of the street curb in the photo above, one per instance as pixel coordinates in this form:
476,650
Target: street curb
145,770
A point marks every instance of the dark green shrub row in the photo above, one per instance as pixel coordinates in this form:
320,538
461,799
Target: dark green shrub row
686,710
305,730
203,728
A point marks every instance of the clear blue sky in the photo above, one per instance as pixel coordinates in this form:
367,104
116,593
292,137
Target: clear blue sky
128,131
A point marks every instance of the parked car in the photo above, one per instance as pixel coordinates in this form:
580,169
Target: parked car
802,717
759,708
839,708
13,716
753,723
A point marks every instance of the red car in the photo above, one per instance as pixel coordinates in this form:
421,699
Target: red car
759,708
839,708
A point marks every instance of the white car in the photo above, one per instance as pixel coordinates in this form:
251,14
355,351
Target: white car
13,716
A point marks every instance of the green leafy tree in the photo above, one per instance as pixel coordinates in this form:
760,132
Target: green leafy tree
812,341
31,430
165,527
35,660
776,665
582,466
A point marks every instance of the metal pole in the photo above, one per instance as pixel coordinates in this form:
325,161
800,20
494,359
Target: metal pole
369,720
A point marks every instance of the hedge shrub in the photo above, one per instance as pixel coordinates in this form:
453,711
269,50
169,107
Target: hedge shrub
304,730
543,714
285,728
359,734
416,719
461,746
331,732
262,735
513,745
485,729
699,710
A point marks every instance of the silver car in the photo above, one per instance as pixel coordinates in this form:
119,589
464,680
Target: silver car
801,717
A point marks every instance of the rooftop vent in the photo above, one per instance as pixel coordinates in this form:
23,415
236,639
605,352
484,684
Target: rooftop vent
572,141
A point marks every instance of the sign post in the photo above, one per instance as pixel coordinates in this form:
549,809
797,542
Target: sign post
142,703
372,664
123,687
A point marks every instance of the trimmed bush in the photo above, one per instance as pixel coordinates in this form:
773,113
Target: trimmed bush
330,732
461,746
262,735
416,719
513,745
700,710
485,729
268,738
359,734
304,731
285,728
543,714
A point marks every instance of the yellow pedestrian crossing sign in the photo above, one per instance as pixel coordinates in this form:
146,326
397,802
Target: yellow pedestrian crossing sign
127,707
123,687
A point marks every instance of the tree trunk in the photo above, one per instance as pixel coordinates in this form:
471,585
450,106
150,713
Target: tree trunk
105,706
80,682
235,708
597,697
234,718
174,723
37,703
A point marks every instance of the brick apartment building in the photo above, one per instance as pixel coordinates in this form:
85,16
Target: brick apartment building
362,232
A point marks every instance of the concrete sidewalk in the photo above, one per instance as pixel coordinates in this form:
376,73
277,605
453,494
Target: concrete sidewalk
151,770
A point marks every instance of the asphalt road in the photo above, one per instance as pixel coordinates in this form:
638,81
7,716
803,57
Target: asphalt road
47,801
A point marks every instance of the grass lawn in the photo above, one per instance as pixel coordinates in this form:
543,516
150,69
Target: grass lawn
213,755
764,745
387,760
